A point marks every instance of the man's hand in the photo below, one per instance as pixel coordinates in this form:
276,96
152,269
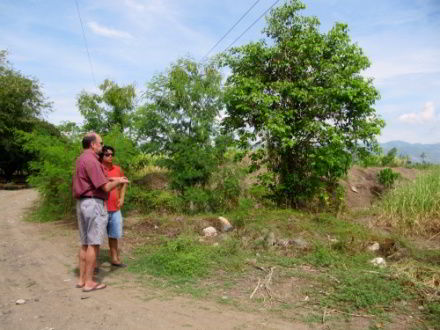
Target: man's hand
123,180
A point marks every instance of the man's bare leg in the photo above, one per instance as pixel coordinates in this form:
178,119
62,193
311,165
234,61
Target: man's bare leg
114,252
82,265
91,253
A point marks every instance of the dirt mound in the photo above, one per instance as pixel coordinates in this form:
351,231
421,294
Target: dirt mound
362,187
154,181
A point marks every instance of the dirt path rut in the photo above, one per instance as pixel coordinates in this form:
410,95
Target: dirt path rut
37,263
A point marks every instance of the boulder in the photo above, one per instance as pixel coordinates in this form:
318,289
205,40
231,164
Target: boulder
210,232
374,247
225,224
379,262
270,240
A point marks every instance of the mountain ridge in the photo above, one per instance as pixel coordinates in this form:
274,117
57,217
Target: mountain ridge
414,150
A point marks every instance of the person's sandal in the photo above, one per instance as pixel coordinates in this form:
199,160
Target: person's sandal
121,265
98,286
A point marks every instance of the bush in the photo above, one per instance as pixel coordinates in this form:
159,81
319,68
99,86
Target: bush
387,177
51,172
152,200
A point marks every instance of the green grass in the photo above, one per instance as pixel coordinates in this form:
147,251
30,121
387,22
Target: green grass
186,259
414,206
432,314
341,276
351,282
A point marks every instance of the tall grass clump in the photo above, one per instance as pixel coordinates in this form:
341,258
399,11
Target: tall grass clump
414,206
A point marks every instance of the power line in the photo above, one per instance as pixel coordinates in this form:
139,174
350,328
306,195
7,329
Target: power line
236,23
250,26
85,43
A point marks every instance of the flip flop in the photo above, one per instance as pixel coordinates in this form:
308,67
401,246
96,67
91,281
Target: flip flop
98,286
119,265
78,286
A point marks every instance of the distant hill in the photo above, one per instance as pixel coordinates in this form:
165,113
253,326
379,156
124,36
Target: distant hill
432,151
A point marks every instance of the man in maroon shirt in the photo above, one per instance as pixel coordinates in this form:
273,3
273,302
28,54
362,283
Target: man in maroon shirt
90,188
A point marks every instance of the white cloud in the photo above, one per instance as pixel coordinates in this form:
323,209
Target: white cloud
394,65
426,115
135,5
108,32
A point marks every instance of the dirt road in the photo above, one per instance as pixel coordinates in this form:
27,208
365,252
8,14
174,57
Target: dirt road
37,264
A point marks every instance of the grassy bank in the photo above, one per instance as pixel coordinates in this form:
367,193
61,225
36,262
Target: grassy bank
298,265
414,207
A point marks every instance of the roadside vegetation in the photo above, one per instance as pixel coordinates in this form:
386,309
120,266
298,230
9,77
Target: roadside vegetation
414,207
267,148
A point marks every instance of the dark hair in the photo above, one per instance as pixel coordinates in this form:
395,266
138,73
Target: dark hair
88,139
104,150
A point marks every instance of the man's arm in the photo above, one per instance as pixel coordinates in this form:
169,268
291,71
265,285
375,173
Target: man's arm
109,186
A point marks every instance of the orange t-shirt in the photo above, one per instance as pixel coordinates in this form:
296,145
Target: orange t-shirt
113,196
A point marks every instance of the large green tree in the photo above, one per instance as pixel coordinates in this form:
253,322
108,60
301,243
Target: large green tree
301,94
179,120
113,106
22,104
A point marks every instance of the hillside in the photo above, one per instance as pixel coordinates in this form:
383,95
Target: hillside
432,151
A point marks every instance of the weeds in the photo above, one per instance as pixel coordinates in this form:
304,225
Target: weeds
387,177
414,206
186,259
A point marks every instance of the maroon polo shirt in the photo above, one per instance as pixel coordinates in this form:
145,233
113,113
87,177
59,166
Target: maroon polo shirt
89,176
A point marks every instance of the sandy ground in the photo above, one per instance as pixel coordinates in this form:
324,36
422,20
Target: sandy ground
37,264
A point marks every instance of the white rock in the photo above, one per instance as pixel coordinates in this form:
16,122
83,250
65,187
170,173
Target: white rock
210,232
299,243
353,188
379,262
374,247
226,225
20,302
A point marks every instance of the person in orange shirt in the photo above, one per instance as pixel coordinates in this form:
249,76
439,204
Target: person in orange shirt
114,205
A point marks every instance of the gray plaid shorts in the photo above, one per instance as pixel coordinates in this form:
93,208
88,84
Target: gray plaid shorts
92,220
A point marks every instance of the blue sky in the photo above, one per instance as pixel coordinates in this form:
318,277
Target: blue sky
131,40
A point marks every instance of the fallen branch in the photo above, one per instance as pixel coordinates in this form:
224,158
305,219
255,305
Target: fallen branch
256,289
355,315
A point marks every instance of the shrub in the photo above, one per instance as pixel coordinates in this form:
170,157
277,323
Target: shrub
152,200
387,177
51,172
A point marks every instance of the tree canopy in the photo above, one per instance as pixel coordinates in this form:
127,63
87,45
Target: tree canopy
301,94
114,106
22,104
179,120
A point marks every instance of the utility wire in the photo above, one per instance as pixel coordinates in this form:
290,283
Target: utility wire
229,31
250,26
85,43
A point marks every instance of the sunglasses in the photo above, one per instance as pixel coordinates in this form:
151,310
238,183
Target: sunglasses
108,155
